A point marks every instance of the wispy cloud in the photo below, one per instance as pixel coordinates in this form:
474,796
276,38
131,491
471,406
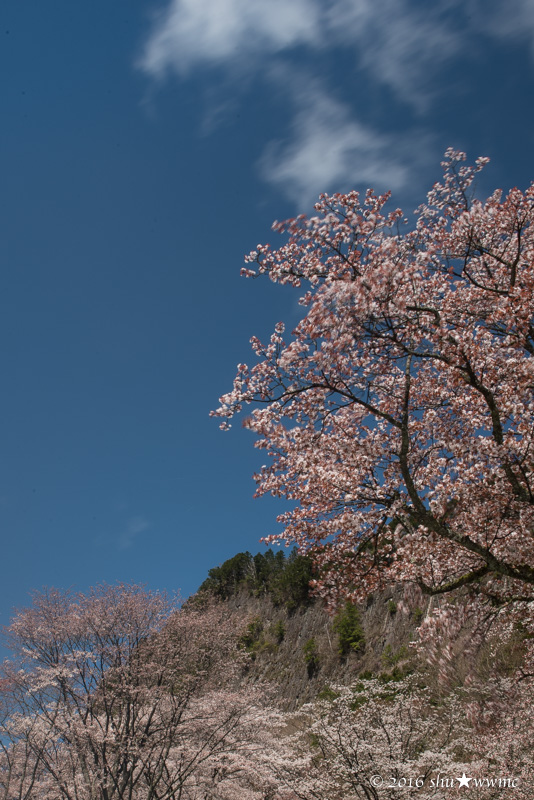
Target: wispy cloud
407,49
134,527
511,20
394,43
330,150
189,33
400,45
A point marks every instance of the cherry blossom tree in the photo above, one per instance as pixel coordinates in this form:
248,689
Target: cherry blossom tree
399,414
376,741
372,741
20,767
119,694
504,717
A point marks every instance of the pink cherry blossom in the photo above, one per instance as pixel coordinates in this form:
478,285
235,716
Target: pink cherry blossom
398,416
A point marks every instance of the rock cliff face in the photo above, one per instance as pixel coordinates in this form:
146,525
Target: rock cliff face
300,652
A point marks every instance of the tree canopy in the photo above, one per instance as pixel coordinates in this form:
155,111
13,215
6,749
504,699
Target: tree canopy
399,414
286,580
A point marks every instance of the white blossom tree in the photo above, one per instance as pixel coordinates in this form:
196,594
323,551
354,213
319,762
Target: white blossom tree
120,695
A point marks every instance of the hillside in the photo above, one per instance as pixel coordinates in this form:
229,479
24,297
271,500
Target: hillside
250,690
294,643
301,650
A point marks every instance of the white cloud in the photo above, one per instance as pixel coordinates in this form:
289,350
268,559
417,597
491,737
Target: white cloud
331,151
396,45
135,526
409,51
399,44
192,32
511,20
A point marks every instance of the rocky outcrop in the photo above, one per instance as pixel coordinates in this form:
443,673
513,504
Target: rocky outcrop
299,652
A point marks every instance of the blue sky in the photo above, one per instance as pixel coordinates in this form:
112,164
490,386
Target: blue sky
145,148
